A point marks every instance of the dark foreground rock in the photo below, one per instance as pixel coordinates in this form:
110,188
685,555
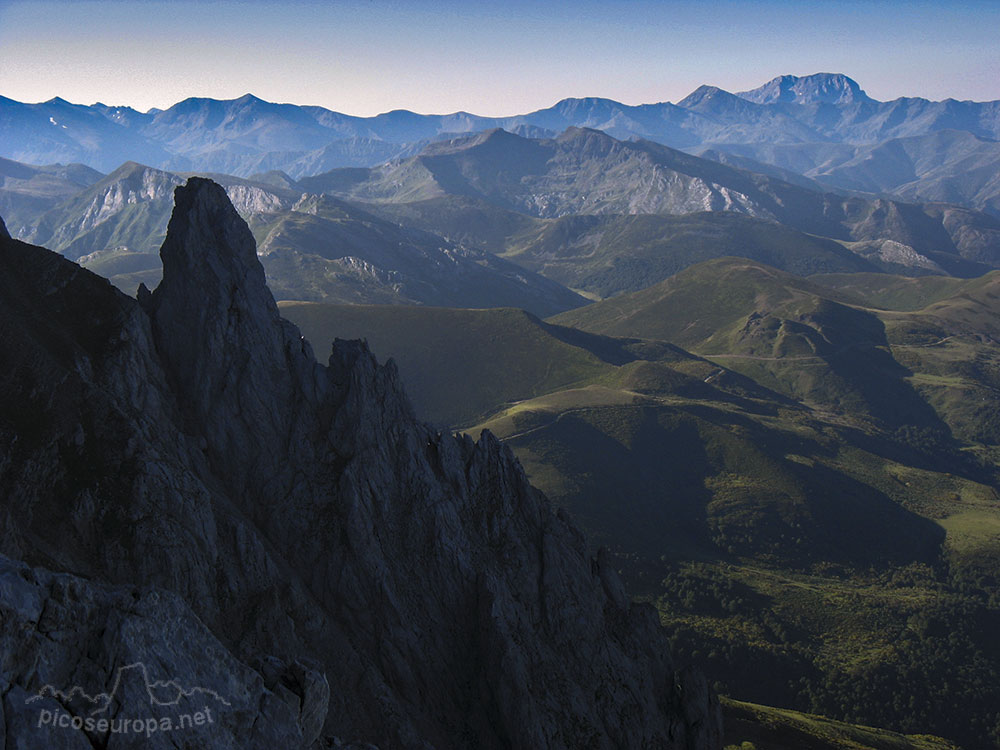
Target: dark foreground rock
283,536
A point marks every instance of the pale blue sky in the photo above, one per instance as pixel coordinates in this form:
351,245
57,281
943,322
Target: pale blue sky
368,56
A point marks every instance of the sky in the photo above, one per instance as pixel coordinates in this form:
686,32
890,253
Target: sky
363,57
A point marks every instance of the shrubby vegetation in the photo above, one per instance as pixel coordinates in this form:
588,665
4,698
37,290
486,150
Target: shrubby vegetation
912,649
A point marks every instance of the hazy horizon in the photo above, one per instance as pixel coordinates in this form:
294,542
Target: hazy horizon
364,58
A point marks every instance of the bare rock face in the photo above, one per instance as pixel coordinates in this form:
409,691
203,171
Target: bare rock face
361,575
133,659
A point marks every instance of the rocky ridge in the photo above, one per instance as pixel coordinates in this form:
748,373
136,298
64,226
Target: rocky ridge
224,507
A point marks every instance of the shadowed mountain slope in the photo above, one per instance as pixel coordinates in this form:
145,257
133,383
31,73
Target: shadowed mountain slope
947,166
190,442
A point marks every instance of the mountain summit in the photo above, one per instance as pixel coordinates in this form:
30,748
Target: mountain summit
819,88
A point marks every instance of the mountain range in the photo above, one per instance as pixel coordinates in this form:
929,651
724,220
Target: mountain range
585,171
248,135
314,248
494,218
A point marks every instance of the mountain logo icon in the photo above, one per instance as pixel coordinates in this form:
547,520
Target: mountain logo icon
160,692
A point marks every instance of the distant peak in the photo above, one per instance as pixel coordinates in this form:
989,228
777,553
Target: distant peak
205,221
818,88
574,132
497,134
131,168
494,138
585,101
586,141
704,94
213,284
705,90
126,169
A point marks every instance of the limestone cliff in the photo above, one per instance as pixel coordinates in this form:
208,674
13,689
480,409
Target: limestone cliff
287,532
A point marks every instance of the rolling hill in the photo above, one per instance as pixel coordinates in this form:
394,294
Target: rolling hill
928,362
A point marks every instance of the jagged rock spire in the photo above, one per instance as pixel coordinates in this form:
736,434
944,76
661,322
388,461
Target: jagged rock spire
239,369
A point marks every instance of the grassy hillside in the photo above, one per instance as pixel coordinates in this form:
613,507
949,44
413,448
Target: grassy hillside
835,348
823,568
753,727
610,255
605,255
458,365
891,292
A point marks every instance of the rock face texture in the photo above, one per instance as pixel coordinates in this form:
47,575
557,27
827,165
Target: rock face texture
237,517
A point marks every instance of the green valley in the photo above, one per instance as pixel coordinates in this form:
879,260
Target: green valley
799,475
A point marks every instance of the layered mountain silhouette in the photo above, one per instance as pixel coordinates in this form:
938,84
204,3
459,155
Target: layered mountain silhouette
589,212
313,247
246,135
588,172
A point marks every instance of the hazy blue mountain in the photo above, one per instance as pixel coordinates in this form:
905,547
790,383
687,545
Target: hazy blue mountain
248,135
57,131
731,119
820,88
840,111
588,172
246,124
27,191
951,166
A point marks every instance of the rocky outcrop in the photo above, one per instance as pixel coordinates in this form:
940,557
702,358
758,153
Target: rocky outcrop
359,574
134,658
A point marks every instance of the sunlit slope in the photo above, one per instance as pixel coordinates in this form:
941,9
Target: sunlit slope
767,728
